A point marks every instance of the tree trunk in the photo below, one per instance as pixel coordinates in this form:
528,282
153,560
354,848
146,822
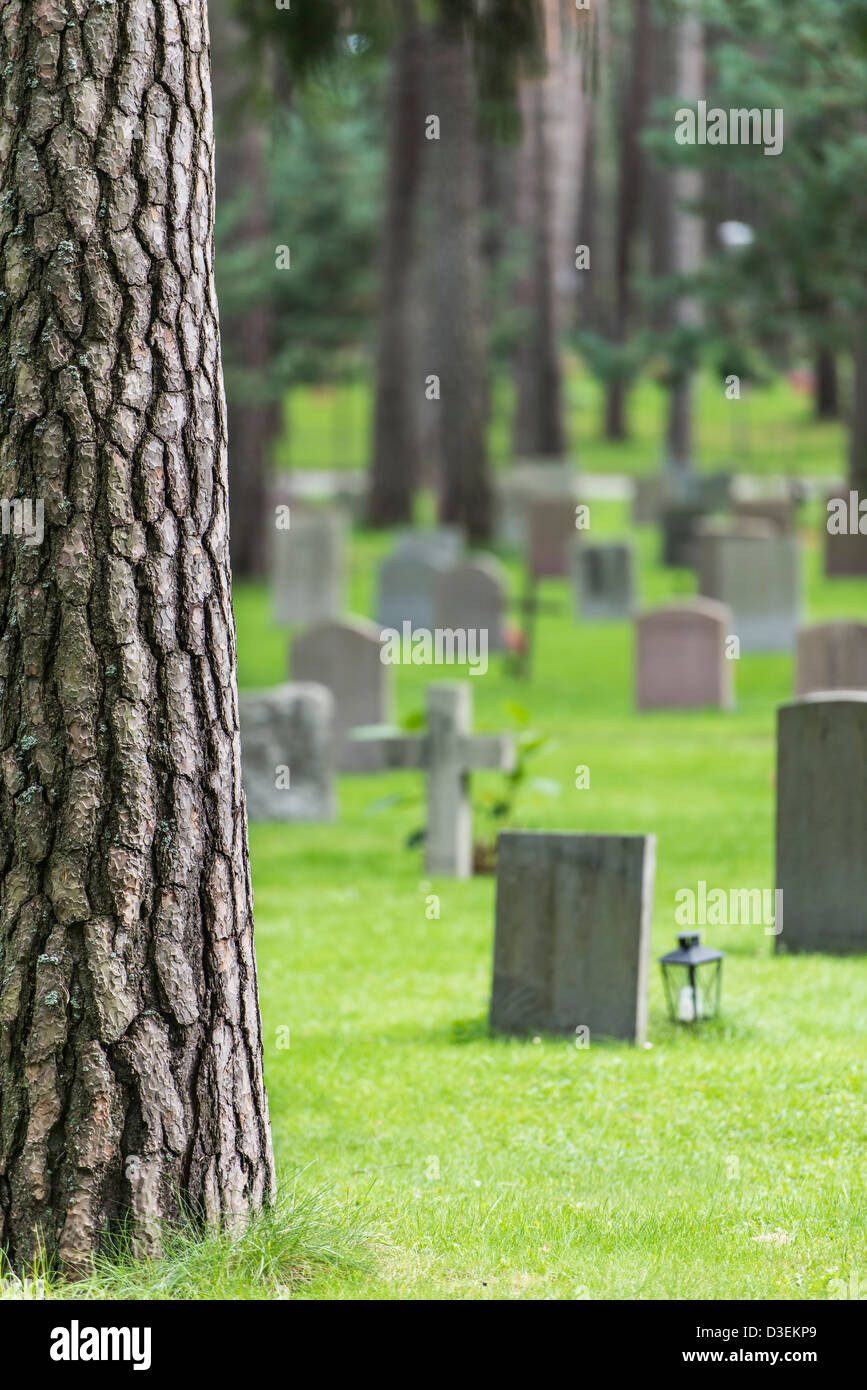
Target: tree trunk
539,431
687,243
396,465
241,171
130,1039
629,201
465,490
858,431
826,390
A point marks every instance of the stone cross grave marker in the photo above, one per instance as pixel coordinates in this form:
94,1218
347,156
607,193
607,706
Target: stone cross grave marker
346,657
831,656
286,747
448,752
681,661
572,943
822,823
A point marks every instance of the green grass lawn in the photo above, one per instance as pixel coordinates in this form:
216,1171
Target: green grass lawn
725,1163
772,430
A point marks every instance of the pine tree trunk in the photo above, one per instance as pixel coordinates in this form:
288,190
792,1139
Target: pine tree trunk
465,490
130,1038
826,390
396,464
241,172
858,430
687,242
631,175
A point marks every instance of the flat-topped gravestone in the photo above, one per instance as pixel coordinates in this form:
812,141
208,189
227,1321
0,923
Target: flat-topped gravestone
831,656
572,943
550,535
822,822
551,479
307,565
444,543
346,657
407,589
778,512
472,595
448,751
758,574
681,661
604,575
286,744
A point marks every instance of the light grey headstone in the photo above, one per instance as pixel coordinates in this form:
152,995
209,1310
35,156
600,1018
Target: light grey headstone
604,574
831,656
572,945
758,575
472,595
407,589
444,543
681,660
822,822
346,657
289,727
308,566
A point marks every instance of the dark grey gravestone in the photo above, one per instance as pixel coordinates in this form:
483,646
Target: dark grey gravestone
572,942
286,736
822,822
604,576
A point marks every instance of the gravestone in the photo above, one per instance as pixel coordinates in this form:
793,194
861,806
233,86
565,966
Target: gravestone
604,575
552,479
758,575
550,534
831,656
448,752
778,512
679,524
572,943
845,553
473,595
308,566
346,657
407,589
681,661
822,822
444,543
286,745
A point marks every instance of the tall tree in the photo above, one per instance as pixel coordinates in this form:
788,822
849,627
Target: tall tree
130,1039
242,183
466,497
396,461
630,181
686,246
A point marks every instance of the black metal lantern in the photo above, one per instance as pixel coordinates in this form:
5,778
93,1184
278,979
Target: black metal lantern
692,976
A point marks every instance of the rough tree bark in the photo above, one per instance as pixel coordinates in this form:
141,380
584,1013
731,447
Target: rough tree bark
396,463
130,1038
241,171
465,491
